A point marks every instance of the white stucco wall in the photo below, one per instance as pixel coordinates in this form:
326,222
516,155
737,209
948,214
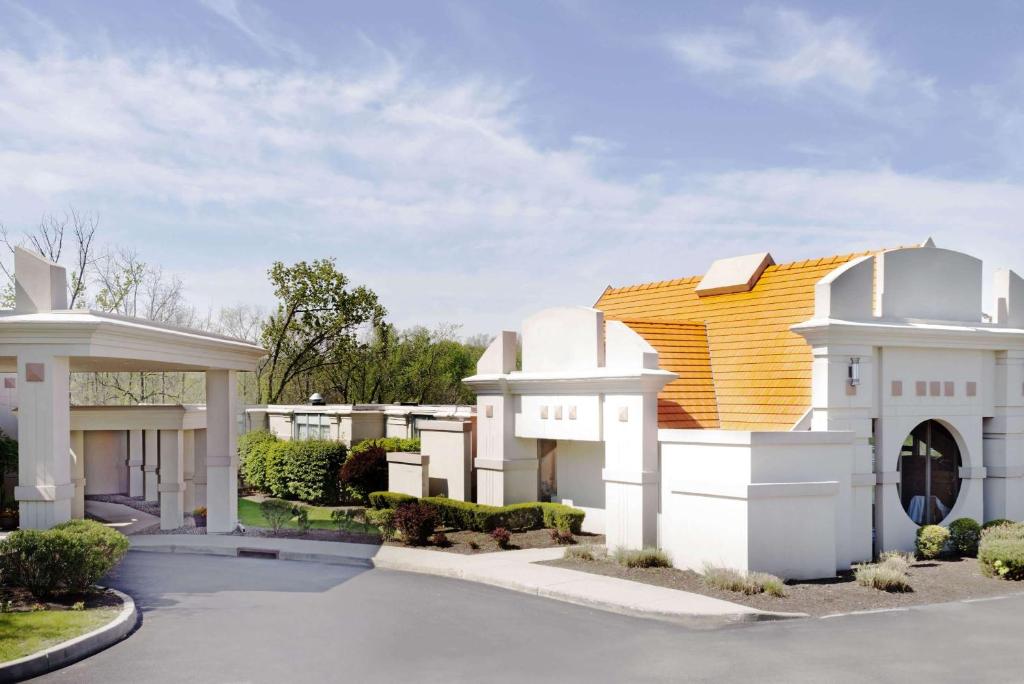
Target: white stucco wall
449,444
580,483
754,501
106,454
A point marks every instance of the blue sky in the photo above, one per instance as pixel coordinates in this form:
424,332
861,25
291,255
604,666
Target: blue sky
473,162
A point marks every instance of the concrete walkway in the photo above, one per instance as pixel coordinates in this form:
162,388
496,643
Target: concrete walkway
515,570
124,519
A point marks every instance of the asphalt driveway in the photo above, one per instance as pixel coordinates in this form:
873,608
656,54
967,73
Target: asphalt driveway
209,619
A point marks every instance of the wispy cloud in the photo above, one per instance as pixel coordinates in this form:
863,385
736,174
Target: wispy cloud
254,23
790,51
426,187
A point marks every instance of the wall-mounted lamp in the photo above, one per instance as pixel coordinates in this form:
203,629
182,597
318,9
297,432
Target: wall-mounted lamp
853,371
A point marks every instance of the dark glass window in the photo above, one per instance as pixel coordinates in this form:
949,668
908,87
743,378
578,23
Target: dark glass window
929,473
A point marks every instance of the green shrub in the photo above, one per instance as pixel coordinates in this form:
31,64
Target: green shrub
964,535
384,520
366,469
306,470
520,516
996,523
888,575
415,522
1001,551
642,558
276,512
389,499
561,517
68,558
749,583
302,518
931,541
252,457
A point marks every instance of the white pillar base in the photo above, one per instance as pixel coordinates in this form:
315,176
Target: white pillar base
631,510
500,483
221,499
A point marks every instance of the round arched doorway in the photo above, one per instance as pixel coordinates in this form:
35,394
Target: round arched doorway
929,468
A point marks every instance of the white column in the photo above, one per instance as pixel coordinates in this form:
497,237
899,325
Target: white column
1003,445
631,470
44,490
136,481
189,469
199,479
221,452
151,450
172,482
78,473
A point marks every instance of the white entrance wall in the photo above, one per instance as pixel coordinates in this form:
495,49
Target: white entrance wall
764,501
584,382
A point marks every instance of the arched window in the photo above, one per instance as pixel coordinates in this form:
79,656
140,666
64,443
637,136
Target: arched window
929,473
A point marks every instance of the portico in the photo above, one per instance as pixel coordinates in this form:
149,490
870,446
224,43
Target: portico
43,342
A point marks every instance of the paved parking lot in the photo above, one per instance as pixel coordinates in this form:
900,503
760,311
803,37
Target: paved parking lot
210,619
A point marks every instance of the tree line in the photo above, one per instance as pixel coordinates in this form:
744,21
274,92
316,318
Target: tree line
322,333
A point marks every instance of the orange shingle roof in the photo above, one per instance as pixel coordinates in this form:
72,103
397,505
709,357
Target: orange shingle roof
688,401
760,371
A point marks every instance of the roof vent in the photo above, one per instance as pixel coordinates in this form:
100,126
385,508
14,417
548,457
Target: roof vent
317,399
735,274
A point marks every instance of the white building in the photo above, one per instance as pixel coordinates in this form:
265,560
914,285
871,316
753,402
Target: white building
178,455
789,418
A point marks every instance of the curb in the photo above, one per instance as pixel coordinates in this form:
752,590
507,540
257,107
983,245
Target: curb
555,595
692,619
75,649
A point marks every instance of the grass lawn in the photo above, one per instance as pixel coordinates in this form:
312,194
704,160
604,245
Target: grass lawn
320,517
23,634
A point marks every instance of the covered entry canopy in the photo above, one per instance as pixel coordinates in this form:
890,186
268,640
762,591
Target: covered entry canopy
43,342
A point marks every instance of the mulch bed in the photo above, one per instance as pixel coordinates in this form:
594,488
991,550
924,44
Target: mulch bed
312,535
21,601
933,582
463,541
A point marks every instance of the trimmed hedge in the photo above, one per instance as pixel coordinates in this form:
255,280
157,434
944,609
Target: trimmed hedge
252,457
561,517
466,515
1001,552
306,470
964,535
381,500
66,559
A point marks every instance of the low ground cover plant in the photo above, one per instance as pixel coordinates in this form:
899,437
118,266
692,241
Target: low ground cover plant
964,536
749,583
888,574
1001,551
66,559
415,522
931,541
649,557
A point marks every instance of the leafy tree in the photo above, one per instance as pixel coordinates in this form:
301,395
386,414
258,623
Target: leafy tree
316,323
